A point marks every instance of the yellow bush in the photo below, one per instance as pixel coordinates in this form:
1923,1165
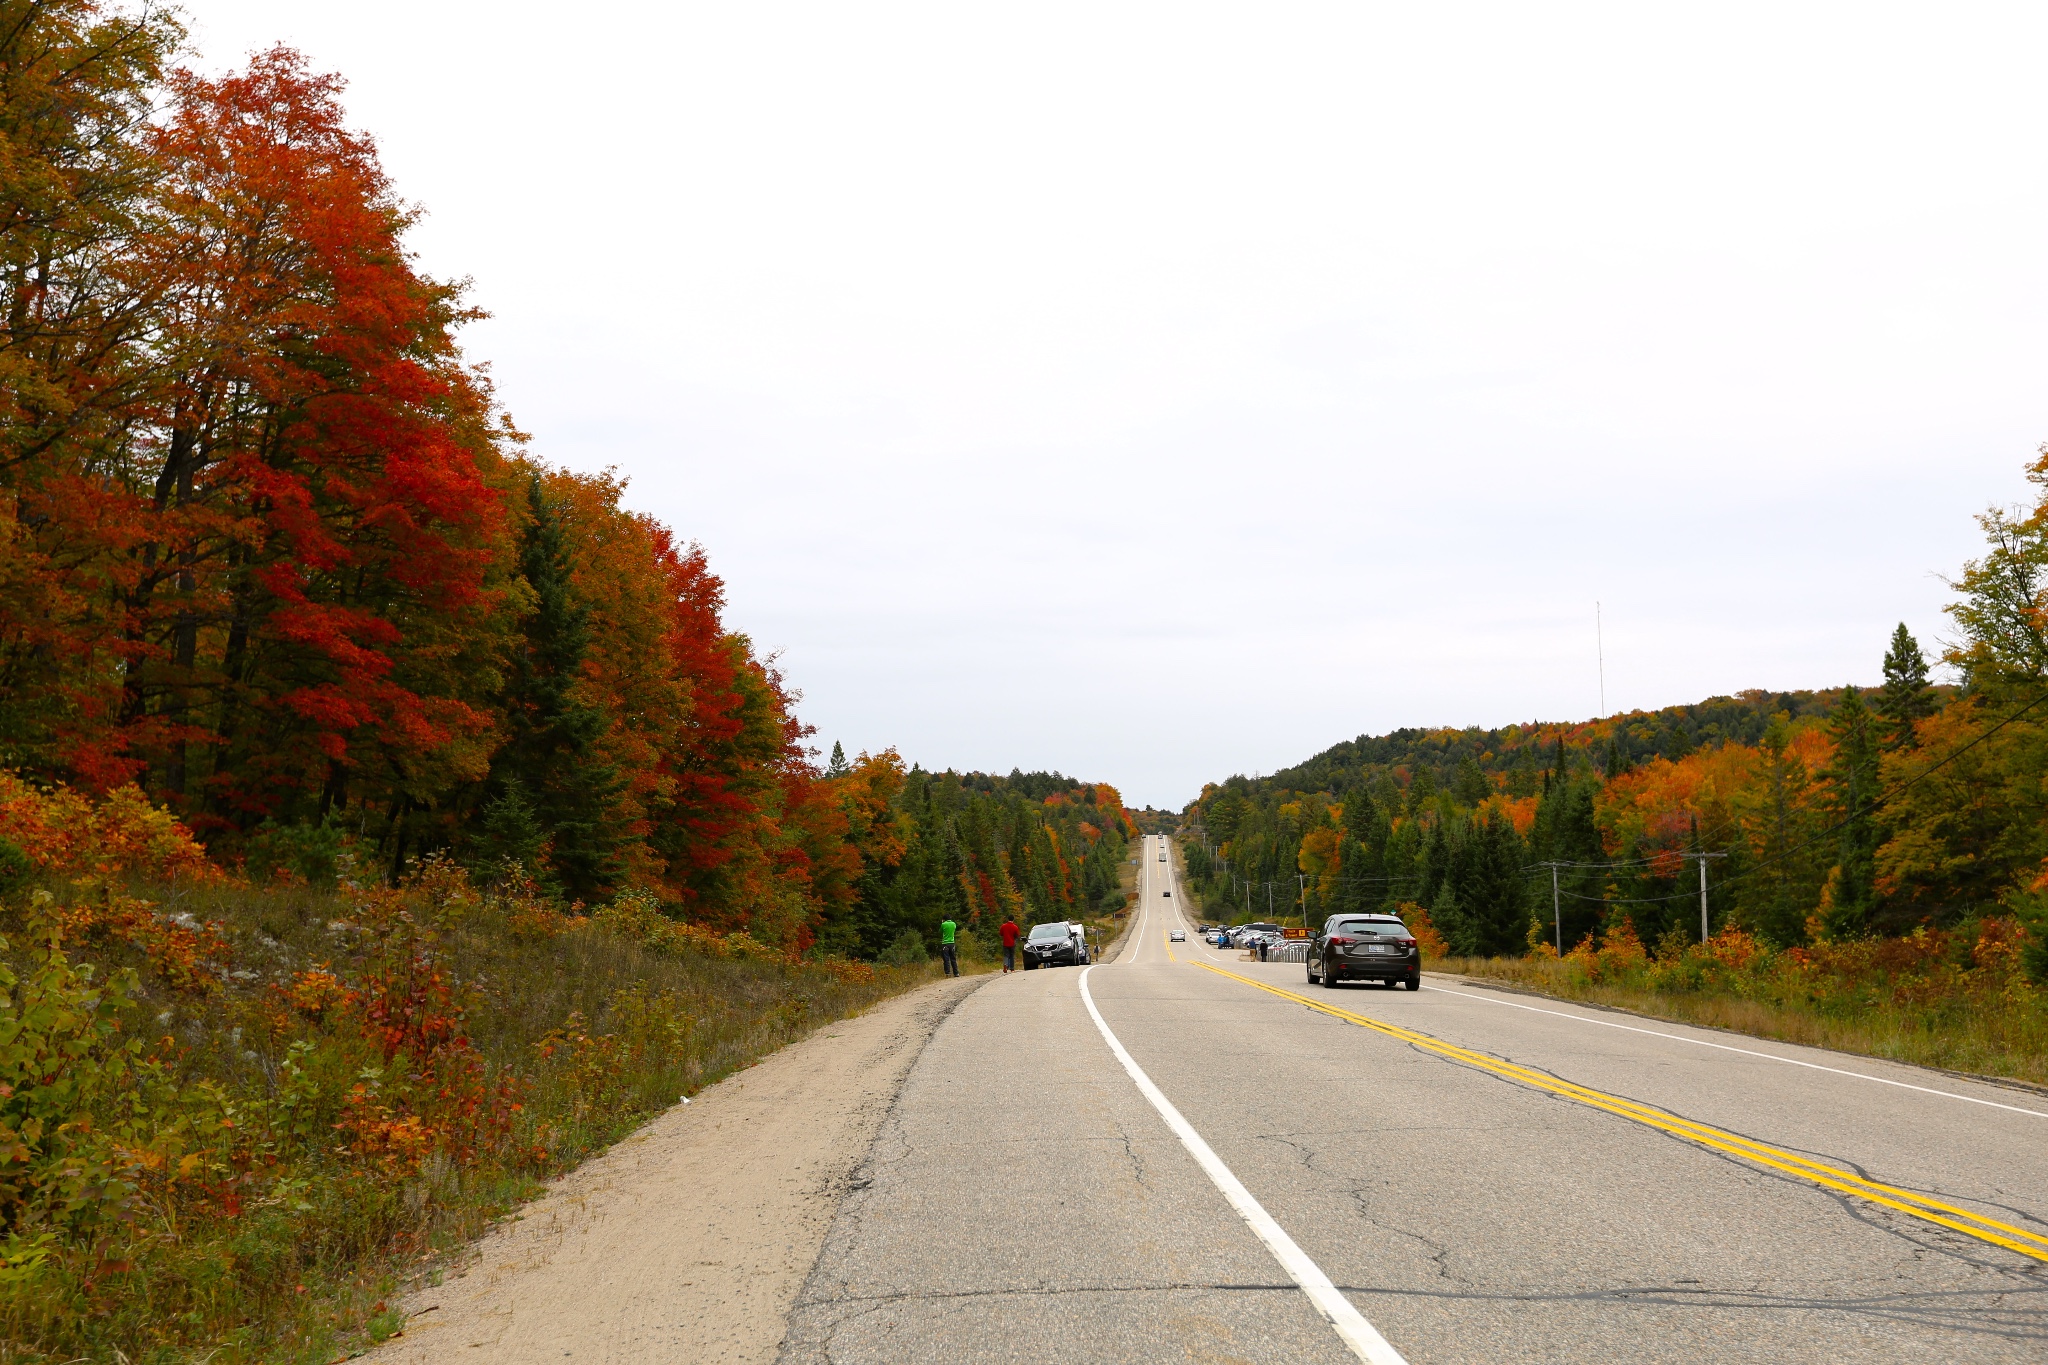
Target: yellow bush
67,833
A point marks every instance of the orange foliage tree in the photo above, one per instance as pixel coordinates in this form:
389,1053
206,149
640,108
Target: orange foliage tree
261,525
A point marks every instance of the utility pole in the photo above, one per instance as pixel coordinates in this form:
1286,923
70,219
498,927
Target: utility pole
1301,880
1705,932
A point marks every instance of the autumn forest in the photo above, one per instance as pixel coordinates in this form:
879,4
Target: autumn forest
271,552
1855,814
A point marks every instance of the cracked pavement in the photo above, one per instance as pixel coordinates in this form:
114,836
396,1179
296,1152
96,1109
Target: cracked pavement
1025,1203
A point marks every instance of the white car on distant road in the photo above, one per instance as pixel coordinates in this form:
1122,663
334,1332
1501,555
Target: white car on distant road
1177,936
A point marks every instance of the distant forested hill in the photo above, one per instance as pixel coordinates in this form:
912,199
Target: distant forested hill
1826,815
1519,754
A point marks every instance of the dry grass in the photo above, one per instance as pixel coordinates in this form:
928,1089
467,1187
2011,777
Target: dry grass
369,1079
1953,1000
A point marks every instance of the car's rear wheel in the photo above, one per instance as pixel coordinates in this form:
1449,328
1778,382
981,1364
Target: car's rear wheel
1413,983
1329,977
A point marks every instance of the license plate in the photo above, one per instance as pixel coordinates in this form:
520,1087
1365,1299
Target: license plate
1378,948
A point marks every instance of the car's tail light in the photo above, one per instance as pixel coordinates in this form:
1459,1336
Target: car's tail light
1407,943
1340,939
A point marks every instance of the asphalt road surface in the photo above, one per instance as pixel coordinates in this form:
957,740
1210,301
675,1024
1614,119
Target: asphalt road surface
1452,1175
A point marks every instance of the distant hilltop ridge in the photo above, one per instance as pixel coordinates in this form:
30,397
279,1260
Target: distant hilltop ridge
1522,753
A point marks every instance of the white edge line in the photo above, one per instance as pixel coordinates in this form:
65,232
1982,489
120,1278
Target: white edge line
1358,1334
1747,1052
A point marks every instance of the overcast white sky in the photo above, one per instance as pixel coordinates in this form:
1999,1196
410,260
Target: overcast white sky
1160,391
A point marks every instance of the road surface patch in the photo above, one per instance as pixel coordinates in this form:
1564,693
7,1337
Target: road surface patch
1744,1051
1911,1202
1350,1325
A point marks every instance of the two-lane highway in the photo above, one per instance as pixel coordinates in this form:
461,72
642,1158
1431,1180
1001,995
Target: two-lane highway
1481,1176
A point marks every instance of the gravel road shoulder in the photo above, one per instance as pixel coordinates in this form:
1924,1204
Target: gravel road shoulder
689,1240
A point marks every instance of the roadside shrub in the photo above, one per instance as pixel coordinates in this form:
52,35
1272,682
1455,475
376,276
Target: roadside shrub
303,854
908,949
637,915
1426,936
228,1129
1963,998
15,869
64,832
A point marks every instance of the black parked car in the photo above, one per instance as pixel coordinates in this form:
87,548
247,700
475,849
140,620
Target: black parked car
1053,945
1365,948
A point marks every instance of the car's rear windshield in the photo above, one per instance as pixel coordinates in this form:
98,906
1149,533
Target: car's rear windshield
1385,928
1049,931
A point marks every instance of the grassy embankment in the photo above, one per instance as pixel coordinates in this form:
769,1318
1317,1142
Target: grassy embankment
1954,999
234,1120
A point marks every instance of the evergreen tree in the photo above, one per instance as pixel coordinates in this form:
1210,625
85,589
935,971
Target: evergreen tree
1450,919
1433,864
1852,790
1905,696
1470,786
1364,884
1523,778
510,832
1403,851
1361,814
1555,775
838,767
1492,890
1566,832
551,755
1787,879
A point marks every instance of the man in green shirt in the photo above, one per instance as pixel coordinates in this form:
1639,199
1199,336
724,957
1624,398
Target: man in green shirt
949,952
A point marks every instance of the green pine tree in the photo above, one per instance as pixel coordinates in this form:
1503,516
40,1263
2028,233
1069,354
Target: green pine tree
551,752
1471,785
1788,877
1421,790
1905,696
1362,884
838,767
510,832
1492,891
1852,790
1566,832
1450,919
1398,863
1554,776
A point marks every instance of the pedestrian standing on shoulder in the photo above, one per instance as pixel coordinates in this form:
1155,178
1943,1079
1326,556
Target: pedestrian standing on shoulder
949,951
1009,931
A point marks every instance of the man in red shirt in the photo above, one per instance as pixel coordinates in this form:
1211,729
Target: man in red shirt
1009,931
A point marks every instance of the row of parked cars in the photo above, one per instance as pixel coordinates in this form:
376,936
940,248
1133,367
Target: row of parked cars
1241,935
1347,948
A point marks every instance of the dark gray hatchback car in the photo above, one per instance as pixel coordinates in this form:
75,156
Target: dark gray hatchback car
1053,945
1365,948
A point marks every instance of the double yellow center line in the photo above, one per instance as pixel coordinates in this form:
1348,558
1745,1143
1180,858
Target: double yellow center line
1791,1163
